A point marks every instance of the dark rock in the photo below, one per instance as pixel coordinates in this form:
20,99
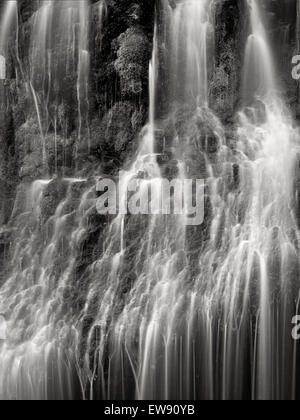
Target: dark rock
236,175
113,139
54,193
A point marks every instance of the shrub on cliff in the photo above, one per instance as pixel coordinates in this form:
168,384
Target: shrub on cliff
133,51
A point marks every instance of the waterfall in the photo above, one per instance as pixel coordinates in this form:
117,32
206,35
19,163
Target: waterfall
146,306
83,67
133,320
8,23
39,63
40,41
152,89
298,27
267,129
102,11
35,292
259,78
191,27
82,89
34,341
59,47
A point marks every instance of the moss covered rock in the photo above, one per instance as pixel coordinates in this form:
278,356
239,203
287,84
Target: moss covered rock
114,138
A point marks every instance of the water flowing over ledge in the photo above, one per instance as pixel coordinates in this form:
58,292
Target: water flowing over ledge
146,307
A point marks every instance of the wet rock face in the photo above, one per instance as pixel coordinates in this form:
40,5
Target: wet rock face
30,150
6,239
115,138
99,257
27,8
190,136
297,191
52,196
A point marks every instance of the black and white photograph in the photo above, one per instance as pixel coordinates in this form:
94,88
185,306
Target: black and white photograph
149,203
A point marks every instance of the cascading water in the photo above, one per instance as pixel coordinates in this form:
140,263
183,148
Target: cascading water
273,226
83,67
59,46
33,296
8,24
259,65
143,339
225,323
157,309
191,26
32,348
298,27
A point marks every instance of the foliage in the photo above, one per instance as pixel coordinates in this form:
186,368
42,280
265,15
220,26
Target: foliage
131,64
